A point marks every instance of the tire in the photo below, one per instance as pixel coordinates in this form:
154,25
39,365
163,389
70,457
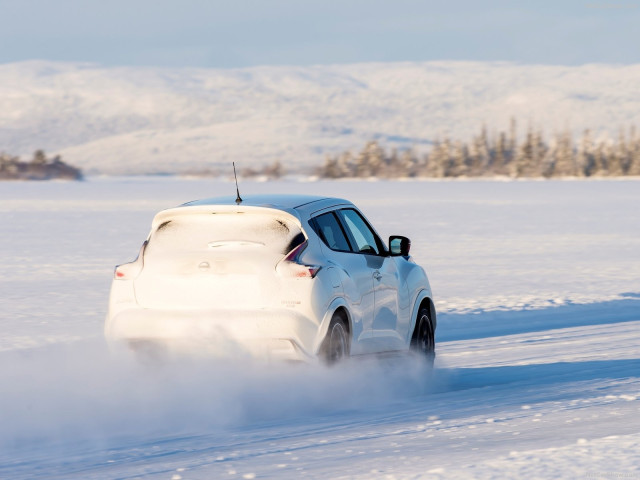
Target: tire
335,346
423,341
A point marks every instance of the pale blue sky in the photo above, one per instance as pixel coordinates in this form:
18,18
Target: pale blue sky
242,33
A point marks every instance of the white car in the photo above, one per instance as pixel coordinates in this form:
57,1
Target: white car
291,276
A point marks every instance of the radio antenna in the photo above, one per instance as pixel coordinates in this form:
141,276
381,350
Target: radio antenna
238,197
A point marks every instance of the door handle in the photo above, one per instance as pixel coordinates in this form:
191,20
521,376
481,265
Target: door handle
377,275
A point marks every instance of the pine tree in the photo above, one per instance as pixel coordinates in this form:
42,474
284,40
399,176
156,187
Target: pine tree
275,170
513,142
329,169
4,161
375,158
479,157
458,162
370,161
393,166
39,158
634,153
346,167
500,161
539,154
619,162
601,159
585,158
436,162
445,158
524,162
563,160
362,168
408,163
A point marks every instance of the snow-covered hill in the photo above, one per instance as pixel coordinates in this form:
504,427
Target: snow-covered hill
139,120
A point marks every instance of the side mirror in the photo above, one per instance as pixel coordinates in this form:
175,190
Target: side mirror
399,246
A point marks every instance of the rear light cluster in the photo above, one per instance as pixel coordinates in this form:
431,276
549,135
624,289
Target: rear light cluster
292,266
128,271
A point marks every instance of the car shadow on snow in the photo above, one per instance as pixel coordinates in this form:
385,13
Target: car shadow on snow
484,324
537,374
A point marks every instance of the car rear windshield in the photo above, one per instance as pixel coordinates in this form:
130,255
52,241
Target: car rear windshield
225,231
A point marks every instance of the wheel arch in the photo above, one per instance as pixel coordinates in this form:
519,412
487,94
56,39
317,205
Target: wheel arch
423,300
337,305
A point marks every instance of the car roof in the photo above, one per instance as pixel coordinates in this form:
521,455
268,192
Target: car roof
278,201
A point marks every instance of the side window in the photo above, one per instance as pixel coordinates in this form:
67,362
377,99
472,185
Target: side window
330,231
364,238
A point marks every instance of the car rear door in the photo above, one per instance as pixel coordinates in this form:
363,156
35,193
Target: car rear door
383,326
356,278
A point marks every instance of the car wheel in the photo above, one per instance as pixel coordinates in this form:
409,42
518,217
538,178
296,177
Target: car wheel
336,344
423,341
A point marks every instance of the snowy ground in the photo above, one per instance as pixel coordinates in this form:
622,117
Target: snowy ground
538,289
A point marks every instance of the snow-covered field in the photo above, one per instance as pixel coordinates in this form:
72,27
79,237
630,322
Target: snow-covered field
538,290
185,119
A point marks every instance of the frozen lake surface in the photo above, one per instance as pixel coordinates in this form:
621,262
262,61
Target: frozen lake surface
537,286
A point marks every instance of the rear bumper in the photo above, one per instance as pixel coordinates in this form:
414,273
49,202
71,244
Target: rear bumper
281,333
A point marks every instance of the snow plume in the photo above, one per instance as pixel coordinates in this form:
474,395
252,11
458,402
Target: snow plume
82,392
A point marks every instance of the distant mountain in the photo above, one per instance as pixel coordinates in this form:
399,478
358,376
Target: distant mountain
153,120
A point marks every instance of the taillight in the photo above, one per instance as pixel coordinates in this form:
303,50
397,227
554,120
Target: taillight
291,265
302,271
128,271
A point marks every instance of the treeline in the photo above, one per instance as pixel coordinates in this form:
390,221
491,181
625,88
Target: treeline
271,172
38,168
500,154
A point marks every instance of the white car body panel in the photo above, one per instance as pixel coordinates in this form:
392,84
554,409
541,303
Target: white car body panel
357,288
213,273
